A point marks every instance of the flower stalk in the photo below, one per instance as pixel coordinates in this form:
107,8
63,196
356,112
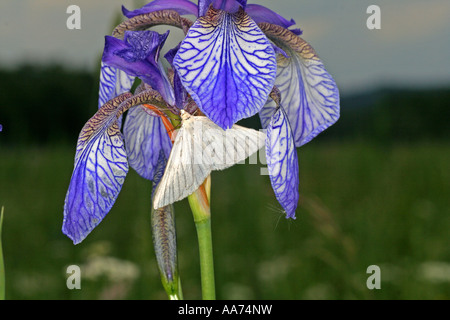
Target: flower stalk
199,202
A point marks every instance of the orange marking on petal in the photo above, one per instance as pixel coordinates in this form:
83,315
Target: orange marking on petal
167,124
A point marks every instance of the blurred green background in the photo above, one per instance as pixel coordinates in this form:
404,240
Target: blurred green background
374,191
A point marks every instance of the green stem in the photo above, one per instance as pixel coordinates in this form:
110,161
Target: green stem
206,260
199,202
2,265
180,291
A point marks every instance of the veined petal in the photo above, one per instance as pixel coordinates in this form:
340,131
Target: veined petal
145,137
282,162
180,6
138,55
99,172
113,82
308,92
227,65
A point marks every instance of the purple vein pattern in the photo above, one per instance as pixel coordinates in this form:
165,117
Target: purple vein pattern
282,162
99,172
145,136
113,82
308,92
227,65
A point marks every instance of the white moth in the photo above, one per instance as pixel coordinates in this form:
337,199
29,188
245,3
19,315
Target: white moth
201,146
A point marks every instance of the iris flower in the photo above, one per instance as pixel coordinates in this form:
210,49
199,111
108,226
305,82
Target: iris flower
236,60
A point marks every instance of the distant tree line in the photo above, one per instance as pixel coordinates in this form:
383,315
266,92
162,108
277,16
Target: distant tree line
395,115
42,105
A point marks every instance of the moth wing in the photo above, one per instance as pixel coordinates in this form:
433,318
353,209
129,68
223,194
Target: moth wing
200,147
225,148
182,175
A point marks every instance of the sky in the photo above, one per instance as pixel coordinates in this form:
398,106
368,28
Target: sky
411,49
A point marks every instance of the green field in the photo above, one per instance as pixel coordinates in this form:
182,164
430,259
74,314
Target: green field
361,205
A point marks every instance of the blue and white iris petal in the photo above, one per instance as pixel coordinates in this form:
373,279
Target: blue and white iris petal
227,65
99,172
138,55
113,82
145,137
310,95
282,162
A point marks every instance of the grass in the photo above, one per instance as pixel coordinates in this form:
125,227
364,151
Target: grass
360,205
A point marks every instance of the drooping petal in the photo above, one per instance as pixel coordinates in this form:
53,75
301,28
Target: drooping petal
308,92
227,65
138,55
113,82
180,6
99,172
282,162
145,137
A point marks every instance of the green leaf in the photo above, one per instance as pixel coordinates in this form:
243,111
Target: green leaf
2,265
